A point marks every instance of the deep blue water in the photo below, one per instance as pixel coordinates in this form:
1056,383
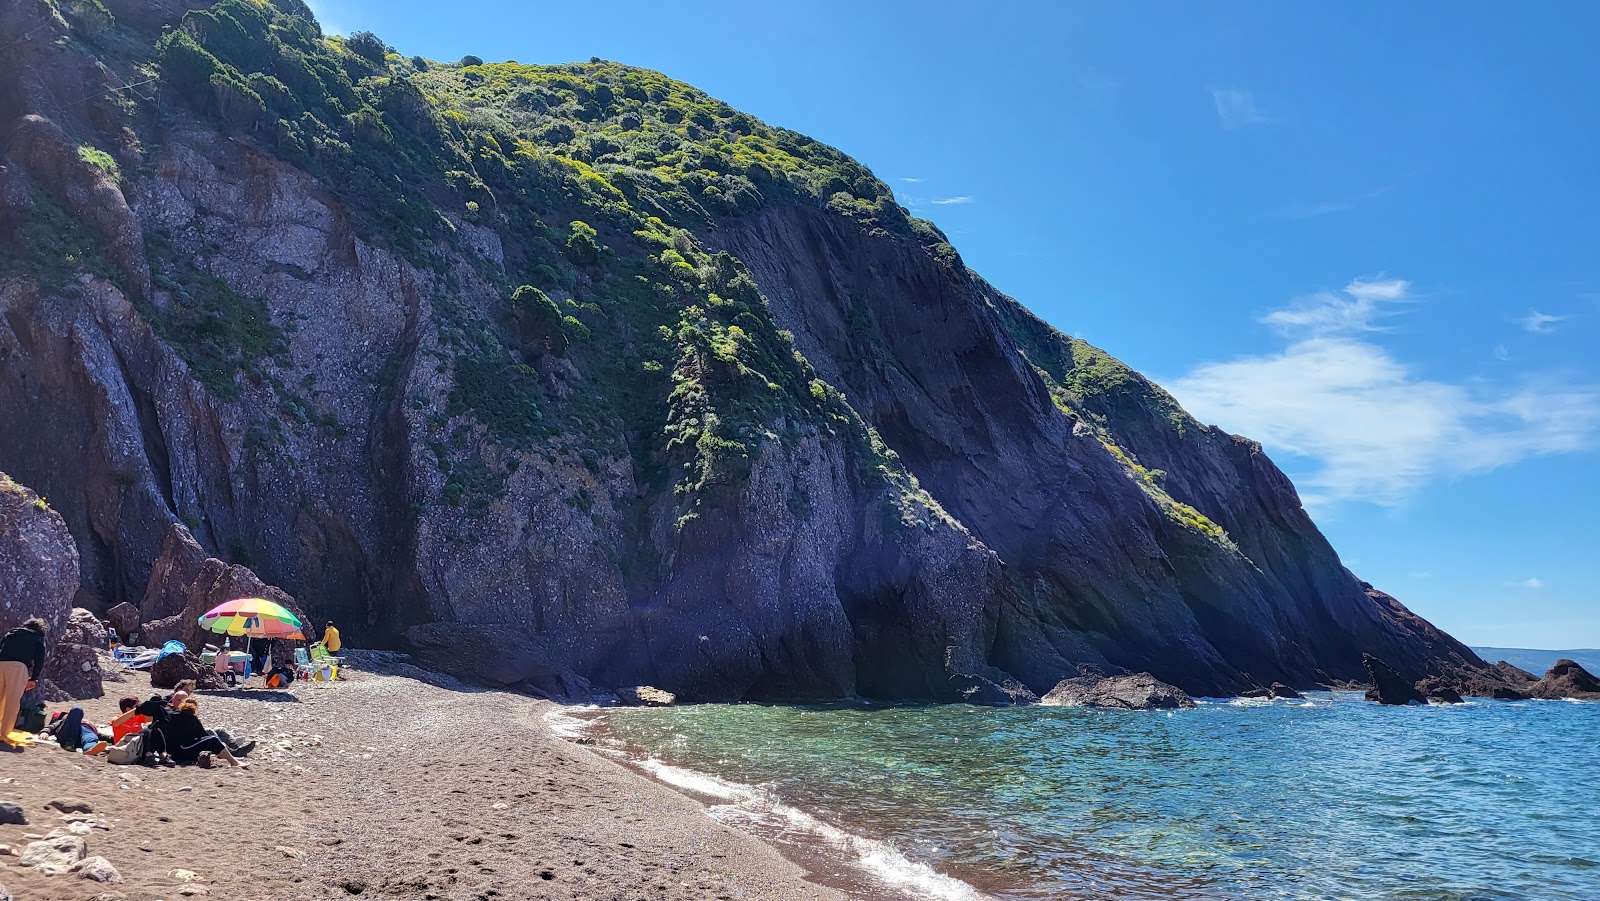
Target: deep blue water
1332,799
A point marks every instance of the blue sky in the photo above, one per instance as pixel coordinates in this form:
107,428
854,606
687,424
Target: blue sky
1363,233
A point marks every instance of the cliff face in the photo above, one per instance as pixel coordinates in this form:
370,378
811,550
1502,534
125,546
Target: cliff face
749,431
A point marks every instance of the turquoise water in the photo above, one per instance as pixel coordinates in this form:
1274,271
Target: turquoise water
1333,798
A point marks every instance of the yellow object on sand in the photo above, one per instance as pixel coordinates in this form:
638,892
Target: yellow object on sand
21,739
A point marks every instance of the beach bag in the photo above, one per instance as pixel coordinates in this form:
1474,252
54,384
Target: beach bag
31,718
129,751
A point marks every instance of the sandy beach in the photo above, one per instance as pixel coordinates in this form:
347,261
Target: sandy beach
394,784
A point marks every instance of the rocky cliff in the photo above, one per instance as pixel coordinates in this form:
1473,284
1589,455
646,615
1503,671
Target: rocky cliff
585,357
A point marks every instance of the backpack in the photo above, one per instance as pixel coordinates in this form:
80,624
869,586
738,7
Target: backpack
31,718
129,751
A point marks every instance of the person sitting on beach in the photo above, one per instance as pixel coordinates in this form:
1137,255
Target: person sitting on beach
129,721
189,741
223,666
21,664
180,693
330,639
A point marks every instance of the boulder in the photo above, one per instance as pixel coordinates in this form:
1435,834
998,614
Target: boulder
12,814
984,692
184,584
1284,692
646,696
174,668
125,619
560,685
38,563
97,869
1567,679
1439,691
54,855
1139,691
1388,687
1502,693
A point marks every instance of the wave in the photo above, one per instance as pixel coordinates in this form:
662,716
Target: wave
762,810
756,810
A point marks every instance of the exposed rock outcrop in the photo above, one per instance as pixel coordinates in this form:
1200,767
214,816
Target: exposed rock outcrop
184,579
1276,691
1439,691
939,498
1388,686
39,577
125,618
645,696
1140,691
1566,680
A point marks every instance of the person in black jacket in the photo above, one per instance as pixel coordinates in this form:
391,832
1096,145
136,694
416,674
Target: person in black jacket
21,665
189,741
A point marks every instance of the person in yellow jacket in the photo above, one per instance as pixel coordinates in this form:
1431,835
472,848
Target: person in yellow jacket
330,639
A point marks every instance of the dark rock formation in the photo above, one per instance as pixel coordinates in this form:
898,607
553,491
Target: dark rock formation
1566,680
1513,674
1140,691
183,579
496,657
1439,691
39,575
124,617
174,668
942,498
1284,692
1388,686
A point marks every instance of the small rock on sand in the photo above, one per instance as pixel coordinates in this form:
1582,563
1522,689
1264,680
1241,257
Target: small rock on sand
186,875
97,868
54,855
12,815
69,805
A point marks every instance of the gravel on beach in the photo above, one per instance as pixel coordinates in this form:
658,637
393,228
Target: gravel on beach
394,784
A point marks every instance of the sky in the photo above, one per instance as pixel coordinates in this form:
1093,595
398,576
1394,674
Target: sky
1363,234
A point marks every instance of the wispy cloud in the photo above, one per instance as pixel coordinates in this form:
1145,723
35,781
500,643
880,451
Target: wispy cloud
910,180
1322,208
1237,108
959,198
1533,582
1364,424
1502,353
1540,323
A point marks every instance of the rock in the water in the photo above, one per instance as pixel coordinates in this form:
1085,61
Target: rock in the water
98,869
1387,685
12,814
1284,692
69,805
985,692
1439,691
54,855
125,619
174,668
1140,691
1567,679
646,696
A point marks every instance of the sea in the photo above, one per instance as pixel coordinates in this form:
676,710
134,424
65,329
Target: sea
1329,797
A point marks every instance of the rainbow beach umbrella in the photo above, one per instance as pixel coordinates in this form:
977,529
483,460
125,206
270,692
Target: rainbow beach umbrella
254,617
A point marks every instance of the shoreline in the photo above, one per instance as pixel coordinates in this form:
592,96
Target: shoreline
834,856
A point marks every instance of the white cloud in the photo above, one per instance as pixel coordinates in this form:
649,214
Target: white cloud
1237,108
911,180
1540,323
1352,310
1502,353
959,198
1368,427
1533,582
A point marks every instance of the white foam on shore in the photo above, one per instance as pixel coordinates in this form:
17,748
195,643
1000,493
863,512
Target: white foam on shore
565,725
765,813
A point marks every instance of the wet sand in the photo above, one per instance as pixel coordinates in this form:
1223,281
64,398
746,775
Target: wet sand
394,784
